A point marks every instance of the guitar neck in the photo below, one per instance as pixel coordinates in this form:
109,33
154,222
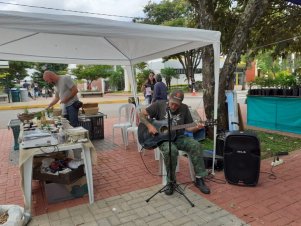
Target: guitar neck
177,127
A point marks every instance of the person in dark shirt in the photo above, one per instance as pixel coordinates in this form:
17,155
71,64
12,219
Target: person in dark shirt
36,90
160,89
180,115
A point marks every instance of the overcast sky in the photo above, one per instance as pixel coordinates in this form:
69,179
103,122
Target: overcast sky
131,8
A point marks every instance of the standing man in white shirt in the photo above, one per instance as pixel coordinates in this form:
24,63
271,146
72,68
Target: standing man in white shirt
65,92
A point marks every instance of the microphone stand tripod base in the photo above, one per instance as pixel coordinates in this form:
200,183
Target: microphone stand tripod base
176,188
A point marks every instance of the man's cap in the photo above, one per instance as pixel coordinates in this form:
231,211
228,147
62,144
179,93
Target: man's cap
176,97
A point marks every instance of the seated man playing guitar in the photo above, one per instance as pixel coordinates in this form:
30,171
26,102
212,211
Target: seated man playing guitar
180,115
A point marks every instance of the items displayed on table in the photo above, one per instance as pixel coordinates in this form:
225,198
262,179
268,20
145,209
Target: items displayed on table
90,108
65,170
77,134
37,138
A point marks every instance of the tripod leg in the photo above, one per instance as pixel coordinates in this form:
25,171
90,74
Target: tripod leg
161,190
180,191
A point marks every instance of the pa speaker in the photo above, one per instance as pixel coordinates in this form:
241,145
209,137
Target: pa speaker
220,143
242,158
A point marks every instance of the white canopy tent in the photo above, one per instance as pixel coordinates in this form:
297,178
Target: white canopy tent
69,39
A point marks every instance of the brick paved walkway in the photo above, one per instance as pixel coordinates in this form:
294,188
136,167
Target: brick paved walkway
120,176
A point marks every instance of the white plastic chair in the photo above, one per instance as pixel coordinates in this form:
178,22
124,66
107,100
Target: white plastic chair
125,120
134,128
162,168
159,155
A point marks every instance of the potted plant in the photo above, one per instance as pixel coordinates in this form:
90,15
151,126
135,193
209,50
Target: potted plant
289,84
284,82
259,81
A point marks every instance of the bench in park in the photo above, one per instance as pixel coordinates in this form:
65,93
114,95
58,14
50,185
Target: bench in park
3,98
91,93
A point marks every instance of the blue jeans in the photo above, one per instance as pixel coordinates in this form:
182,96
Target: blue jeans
199,135
148,99
72,115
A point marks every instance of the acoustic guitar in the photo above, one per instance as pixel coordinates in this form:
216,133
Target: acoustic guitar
149,141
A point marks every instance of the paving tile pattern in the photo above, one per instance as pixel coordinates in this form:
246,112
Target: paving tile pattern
120,175
131,209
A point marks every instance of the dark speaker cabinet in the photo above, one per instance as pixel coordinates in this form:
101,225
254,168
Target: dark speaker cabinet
242,158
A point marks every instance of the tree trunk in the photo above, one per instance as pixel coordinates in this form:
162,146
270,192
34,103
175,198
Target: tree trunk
253,11
206,10
89,85
243,87
205,22
208,84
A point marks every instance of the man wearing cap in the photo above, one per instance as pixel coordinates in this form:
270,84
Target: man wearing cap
180,115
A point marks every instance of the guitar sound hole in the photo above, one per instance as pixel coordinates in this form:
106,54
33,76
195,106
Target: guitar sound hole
164,129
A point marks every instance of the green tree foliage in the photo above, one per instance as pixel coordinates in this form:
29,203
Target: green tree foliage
60,69
267,64
92,72
141,77
12,75
278,30
177,13
170,13
245,26
169,73
140,66
116,78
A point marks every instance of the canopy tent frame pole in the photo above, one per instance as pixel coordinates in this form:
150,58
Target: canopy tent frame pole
216,49
130,71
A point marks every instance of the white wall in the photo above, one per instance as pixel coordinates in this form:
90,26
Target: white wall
157,65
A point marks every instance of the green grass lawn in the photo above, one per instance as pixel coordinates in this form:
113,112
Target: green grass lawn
270,143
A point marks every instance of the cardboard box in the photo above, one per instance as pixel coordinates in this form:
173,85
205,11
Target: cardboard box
67,178
55,192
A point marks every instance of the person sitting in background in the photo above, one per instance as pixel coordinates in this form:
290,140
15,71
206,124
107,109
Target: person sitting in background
160,89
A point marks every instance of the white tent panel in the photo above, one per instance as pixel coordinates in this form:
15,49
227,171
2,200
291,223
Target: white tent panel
8,35
62,46
86,40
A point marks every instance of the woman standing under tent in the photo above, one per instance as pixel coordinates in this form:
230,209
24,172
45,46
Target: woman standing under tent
148,88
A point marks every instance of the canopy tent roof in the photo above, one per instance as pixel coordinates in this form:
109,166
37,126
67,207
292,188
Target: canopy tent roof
86,40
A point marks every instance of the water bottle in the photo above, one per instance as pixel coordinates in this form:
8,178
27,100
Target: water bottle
61,136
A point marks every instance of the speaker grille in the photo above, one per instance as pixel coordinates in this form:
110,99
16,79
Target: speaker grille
242,158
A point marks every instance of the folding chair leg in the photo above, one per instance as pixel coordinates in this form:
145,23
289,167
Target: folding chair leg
124,137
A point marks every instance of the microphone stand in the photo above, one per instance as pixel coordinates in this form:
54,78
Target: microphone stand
172,182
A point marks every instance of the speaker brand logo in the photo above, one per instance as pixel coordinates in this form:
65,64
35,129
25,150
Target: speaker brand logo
241,152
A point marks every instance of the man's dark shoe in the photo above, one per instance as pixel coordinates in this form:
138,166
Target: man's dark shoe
169,189
200,184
